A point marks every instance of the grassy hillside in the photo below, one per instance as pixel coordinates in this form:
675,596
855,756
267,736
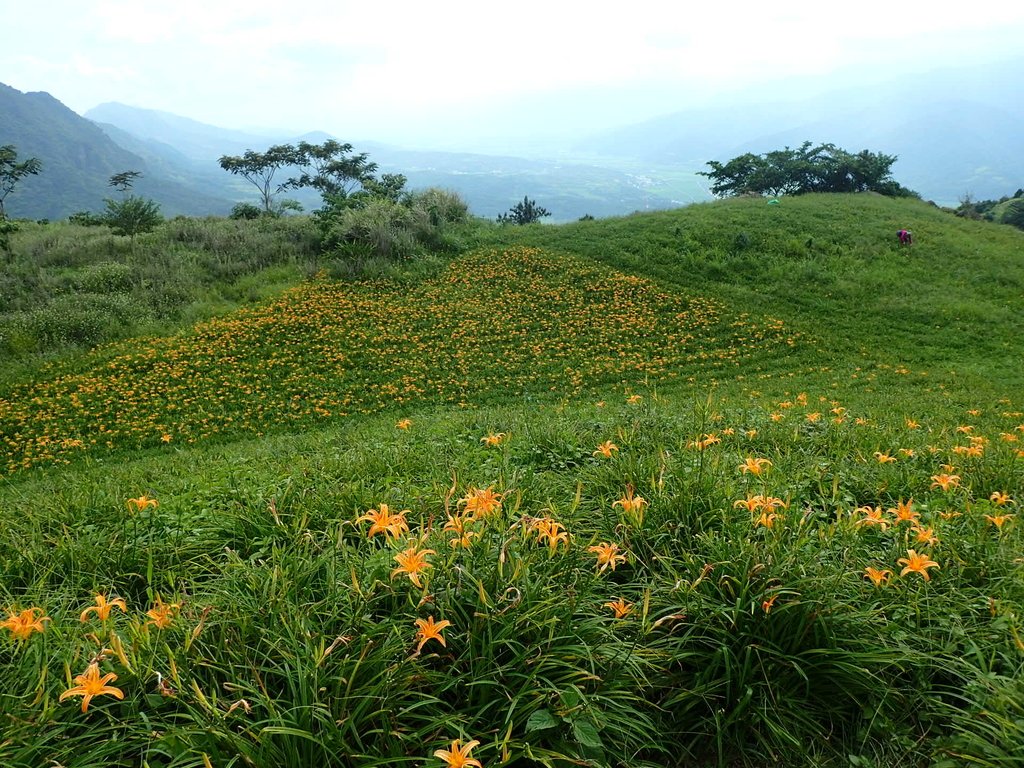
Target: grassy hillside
731,485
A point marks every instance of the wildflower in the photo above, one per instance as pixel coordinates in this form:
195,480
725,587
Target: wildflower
754,466
631,503
412,562
607,555
904,511
480,503
751,503
916,563
998,520
634,399
872,516
925,535
428,630
775,416
600,404
767,519
945,481
493,440
162,614
1008,437
458,757
877,577
1001,499
911,424
103,607
751,433
620,607
457,525
403,423
966,430
551,530
23,623
91,684
884,458
393,525
907,452
813,418
165,438
972,451
606,449
141,503
768,604
704,442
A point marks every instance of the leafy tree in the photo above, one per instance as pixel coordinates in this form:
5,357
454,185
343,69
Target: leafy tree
808,168
260,168
11,172
526,212
331,169
132,216
123,181
245,211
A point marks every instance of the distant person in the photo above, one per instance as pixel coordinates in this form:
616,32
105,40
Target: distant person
905,236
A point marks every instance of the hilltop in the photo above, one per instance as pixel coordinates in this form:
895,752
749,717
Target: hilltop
731,485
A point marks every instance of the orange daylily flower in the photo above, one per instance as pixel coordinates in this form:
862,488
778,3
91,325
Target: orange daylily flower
998,520
141,503
551,530
884,458
878,577
768,604
458,756
904,511
23,623
480,503
103,607
916,563
386,522
945,481
607,555
754,466
620,607
428,630
403,423
606,449
925,535
704,442
457,524
162,614
1001,499
634,399
492,440
767,519
964,429
911,424
413,562
872,516
631,503
91,684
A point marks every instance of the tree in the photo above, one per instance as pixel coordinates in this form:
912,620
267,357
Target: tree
123,181
808,168
331,169
11,172
132,216
526,212
259,169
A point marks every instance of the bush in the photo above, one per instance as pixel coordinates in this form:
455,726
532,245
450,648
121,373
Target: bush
245,211
132,216
379,228
86,219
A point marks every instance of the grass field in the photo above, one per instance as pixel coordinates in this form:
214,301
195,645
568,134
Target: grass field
730,485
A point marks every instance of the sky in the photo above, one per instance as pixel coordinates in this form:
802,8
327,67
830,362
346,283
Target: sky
460,73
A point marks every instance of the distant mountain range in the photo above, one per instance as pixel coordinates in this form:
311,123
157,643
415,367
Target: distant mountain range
961,132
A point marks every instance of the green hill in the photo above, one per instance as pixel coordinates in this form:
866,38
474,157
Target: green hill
731,485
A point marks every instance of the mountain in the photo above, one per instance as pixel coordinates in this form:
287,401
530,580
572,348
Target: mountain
490,184
78,158
953,132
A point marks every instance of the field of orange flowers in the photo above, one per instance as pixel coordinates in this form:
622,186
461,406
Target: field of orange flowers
642,581
495,325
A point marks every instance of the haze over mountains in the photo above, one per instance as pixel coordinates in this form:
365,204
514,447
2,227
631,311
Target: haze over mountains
954,133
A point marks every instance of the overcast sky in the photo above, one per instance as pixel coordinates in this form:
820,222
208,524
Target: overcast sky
433,72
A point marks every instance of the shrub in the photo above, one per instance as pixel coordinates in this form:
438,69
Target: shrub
245,211
132,216
380,227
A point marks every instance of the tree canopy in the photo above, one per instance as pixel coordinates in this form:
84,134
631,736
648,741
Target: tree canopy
11,171
808,168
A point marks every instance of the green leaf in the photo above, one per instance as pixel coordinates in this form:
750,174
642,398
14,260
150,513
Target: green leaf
586,734
540,720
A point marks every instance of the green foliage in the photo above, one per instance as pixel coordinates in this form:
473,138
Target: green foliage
1014,213
124,180
11,171
245,212
86,219
260,168
526,212
132,216
822,168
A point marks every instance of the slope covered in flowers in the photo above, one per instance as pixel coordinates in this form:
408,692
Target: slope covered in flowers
496,324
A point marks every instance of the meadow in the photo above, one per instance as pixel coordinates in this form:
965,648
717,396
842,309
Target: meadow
597,494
